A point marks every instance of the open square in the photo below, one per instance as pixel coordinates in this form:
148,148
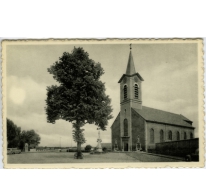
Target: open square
55,157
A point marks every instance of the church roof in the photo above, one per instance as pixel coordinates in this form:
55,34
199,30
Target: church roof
136,74
130,65
163,117
130,71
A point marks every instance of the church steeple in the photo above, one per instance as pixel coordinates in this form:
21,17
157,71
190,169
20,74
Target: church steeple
130,86
130,97
130,71
130,65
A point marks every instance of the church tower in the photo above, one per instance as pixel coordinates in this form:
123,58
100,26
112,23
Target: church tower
130,97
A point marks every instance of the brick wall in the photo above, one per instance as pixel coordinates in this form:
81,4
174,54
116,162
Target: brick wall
178,148
116,132
138,129
166,128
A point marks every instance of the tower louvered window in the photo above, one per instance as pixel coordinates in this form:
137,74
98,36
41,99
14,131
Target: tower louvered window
125,91
136,93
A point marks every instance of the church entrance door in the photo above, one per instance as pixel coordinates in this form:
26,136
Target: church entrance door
125,146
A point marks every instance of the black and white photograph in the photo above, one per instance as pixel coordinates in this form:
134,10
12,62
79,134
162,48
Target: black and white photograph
109,103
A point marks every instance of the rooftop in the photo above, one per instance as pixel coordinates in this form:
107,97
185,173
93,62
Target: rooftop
160,116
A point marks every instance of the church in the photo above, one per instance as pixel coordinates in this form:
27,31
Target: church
138,127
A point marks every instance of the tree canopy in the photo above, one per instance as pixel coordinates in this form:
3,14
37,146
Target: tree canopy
30,137
13,134
18,138
80,96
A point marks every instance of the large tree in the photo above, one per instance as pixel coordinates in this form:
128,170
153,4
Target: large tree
18,138
80,96
13,134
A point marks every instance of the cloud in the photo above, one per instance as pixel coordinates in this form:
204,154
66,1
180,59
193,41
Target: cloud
166,84
17,95
32,96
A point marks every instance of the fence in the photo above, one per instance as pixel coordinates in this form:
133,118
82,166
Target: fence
177,148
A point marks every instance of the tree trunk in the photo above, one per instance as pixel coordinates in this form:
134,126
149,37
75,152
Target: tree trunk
79,153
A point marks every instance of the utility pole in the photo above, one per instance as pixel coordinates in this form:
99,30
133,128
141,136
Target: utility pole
71,138
60,142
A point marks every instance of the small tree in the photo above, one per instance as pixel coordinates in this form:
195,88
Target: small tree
30,137
80,96
104,149
88,148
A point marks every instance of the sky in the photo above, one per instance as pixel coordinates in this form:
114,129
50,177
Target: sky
169,72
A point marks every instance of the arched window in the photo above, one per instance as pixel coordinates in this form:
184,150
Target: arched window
125,127
125,91
185,135
178,135
151,135
136,93
191,135
161,135
170,135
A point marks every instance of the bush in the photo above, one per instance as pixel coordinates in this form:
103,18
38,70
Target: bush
104,149
73,150
88,148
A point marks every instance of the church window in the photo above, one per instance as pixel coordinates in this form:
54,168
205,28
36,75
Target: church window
125,91
161,135
185,135
125,127
151,135
136,93
170,135
191,136
178,135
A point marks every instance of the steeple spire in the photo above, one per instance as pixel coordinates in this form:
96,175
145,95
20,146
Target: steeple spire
130,65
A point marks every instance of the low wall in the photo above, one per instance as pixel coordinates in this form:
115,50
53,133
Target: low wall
177,148
32,150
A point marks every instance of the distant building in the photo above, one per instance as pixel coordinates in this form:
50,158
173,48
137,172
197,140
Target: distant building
140,127
32,146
